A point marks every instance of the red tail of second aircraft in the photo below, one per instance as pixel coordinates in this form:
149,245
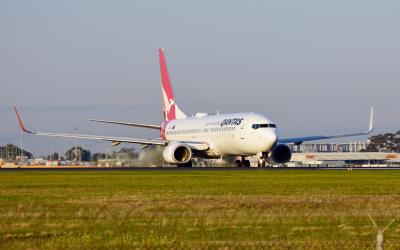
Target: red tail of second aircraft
171,109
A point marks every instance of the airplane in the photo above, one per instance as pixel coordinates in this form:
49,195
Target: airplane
207,135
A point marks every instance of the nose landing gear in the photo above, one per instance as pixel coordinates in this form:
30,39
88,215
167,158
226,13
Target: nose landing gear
261,163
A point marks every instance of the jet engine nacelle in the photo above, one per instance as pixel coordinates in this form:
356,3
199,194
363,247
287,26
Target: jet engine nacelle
177,153
280,154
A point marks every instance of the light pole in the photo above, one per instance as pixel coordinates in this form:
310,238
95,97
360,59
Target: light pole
20,153
76,145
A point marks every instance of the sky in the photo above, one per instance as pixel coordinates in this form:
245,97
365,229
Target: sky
311,66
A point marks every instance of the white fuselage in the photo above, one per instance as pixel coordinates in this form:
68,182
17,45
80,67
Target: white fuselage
226,134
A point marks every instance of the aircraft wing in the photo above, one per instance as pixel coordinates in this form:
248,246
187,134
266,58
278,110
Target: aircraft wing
114,140
300,140
141,125
200,146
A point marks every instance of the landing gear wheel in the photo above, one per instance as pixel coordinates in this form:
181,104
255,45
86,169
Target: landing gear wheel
246,163
238,163
185,165
261,163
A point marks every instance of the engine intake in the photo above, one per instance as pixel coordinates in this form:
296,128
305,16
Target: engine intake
280,154
177,153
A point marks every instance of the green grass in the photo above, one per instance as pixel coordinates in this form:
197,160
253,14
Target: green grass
198,209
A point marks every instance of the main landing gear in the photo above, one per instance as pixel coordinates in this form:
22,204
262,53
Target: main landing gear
242,163
185,165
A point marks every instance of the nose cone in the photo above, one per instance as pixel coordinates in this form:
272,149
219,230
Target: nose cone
270,138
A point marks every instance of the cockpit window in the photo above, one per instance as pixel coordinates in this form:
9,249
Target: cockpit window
263,125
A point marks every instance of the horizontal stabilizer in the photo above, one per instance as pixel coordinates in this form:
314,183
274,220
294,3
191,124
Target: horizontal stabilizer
140,125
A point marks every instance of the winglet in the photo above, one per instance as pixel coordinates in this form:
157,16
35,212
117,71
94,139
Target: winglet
371,120
21,124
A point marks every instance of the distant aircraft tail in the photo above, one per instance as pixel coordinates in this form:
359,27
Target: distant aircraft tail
171,109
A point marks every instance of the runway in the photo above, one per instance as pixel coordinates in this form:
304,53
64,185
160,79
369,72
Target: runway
161,169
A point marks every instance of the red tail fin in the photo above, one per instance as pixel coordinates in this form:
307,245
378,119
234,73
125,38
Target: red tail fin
171,110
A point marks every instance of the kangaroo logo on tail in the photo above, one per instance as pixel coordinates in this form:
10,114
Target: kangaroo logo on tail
171,109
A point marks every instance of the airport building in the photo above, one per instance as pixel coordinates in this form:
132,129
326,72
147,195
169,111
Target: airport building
345,159
340,154
357,146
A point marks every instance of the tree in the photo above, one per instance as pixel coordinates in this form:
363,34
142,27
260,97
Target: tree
77,154
99,156
10,152
53,157
384,143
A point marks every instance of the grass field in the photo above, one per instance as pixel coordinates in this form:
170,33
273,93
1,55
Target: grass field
198,209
